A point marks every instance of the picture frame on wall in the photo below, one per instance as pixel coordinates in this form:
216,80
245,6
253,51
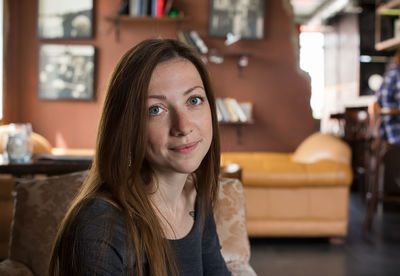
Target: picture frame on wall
66,72
240,18
65,19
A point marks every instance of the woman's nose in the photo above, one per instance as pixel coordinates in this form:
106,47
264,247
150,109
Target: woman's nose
181,124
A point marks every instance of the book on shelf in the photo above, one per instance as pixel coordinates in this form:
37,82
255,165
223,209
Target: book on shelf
124,7
219,115
168,7
134,7
138,7
181,37
225,116
155,8
231,111
184,37
144,7
247,108
200,45
193,39
238,110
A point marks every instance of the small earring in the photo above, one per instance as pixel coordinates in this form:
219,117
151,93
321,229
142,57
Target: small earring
129,160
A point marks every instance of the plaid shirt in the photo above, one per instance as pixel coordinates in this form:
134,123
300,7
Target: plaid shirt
389,96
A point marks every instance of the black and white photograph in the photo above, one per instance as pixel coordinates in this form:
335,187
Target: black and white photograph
66,72
241,18
65,19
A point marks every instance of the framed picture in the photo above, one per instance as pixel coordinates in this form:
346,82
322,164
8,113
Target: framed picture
66,72
65,19
243,18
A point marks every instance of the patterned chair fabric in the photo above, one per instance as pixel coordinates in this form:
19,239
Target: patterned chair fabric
230,218
41,204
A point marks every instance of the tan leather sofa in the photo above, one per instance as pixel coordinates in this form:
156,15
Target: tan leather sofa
41,204
304,193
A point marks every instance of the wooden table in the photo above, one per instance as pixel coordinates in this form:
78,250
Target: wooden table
46,166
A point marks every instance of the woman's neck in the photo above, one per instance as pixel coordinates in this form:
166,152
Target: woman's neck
173,203
170,188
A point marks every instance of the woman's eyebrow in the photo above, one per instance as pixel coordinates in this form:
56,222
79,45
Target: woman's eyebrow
162,97
191,89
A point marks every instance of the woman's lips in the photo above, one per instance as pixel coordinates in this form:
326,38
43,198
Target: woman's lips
185,148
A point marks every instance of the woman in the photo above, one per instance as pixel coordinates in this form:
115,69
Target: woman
146,207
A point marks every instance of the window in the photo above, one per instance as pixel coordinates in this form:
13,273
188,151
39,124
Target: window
312,62
1,59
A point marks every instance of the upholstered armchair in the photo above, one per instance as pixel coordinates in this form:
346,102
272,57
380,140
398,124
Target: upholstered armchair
39,206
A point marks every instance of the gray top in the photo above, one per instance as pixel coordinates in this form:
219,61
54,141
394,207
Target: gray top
102,250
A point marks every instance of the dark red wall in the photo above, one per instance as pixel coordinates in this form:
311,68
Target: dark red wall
272,81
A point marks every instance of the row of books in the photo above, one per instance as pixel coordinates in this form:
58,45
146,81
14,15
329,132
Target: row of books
193,39
155,8
231,111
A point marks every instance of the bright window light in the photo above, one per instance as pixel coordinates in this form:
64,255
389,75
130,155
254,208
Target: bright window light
1,59
312,62
365,59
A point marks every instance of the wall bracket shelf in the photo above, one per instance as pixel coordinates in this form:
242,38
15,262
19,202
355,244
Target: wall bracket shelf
239,128
390,8
117,20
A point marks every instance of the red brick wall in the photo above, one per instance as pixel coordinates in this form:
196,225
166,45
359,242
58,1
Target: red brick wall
272,81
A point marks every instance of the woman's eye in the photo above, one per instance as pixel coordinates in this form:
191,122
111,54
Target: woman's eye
155,110
195,100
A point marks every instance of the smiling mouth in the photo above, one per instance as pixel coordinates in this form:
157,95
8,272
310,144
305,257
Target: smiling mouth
186,148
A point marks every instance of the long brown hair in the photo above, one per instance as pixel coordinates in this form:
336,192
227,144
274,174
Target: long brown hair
120,169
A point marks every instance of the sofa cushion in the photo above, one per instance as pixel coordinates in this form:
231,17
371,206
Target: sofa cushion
40,206
319,146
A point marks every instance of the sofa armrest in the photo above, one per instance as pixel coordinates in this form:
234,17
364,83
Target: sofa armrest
13,268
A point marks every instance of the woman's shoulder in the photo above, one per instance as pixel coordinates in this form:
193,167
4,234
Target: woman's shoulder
99,215
96,206
100,227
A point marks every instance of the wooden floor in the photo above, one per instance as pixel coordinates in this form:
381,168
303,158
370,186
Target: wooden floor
380,256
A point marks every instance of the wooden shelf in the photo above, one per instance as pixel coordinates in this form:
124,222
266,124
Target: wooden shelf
391,8
117,20
238,126
236,123
389,5
388,44
128,18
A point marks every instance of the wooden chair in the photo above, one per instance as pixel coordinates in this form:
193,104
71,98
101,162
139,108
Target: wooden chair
379,147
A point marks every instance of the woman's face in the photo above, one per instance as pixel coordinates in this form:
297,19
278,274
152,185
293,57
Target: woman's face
179,125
